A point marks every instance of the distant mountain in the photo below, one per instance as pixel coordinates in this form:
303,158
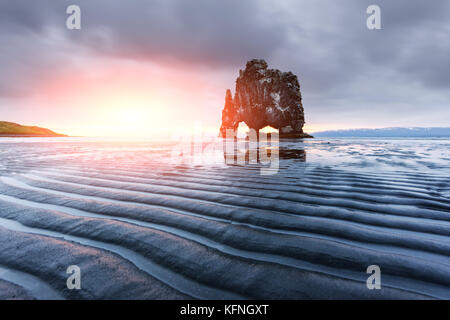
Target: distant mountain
11,129
387,132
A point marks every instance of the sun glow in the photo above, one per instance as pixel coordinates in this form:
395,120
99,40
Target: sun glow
243,129
131,116
125,99
268,129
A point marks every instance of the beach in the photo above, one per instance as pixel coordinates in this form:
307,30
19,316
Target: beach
143,220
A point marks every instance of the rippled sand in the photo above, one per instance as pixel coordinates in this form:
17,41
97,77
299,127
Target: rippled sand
150,220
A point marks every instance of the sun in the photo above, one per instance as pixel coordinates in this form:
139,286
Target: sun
132,114
129,116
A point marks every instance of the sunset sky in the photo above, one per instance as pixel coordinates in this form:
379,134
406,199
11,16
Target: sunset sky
150,67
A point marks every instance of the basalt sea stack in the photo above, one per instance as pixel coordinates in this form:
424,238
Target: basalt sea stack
265,97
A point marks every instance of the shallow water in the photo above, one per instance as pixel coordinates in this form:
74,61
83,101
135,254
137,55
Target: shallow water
190,220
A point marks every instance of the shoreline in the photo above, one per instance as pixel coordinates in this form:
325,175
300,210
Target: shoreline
2,135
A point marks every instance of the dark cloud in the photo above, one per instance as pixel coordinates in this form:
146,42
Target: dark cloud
209,32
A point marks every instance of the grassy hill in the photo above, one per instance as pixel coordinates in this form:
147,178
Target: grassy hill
14,129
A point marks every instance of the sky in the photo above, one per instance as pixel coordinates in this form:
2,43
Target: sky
157,66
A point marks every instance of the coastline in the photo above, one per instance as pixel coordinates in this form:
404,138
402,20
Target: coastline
6,135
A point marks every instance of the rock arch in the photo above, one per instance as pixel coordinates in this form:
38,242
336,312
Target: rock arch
265,97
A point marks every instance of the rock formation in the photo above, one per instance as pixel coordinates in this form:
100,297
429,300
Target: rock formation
265,97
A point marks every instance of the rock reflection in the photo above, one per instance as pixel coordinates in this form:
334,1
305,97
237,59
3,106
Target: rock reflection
257,153
295,154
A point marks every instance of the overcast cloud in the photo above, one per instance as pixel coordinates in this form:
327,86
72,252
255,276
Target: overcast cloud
397,76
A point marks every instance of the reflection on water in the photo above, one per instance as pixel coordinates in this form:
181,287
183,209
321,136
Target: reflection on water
253,156
293,154
365,155
264,154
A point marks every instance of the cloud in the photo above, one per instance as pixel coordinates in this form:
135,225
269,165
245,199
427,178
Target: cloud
341,64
